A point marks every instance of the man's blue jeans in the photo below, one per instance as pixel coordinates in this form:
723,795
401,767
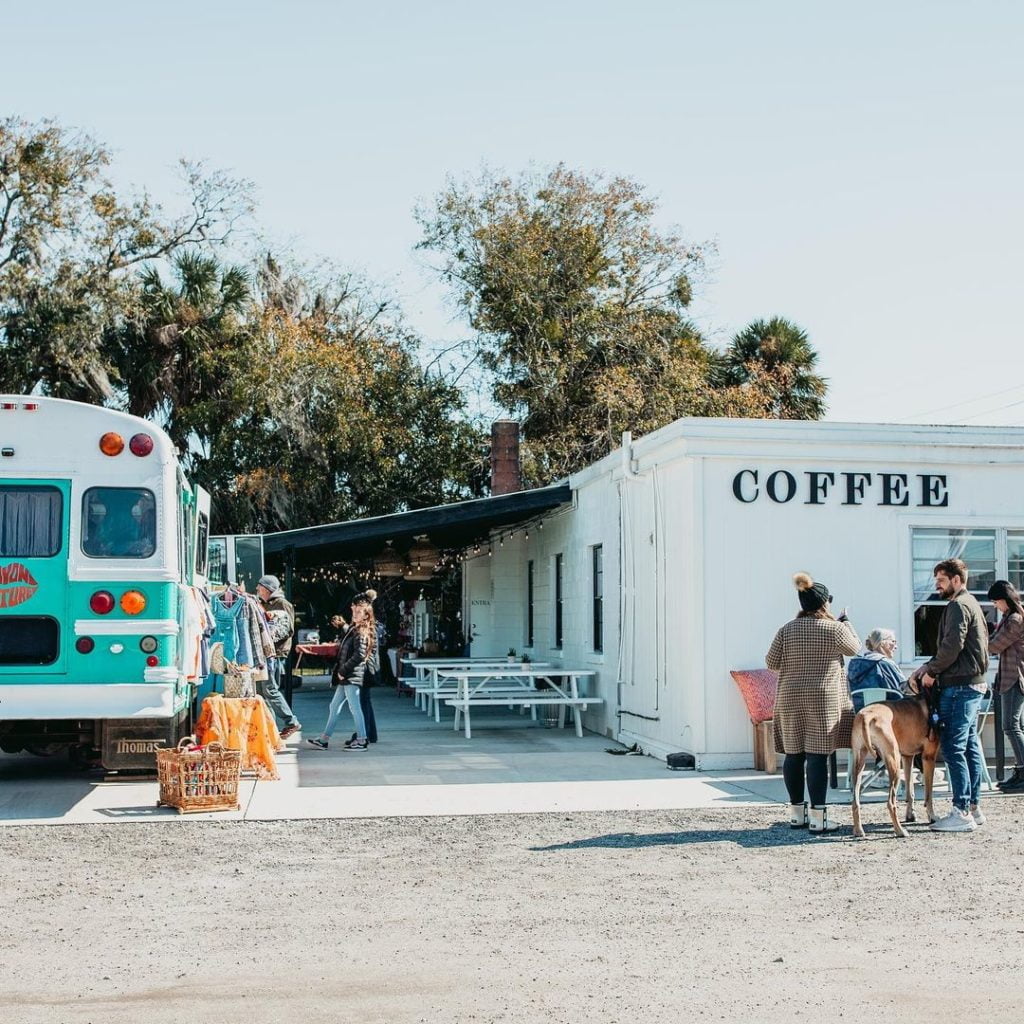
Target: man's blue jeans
961,748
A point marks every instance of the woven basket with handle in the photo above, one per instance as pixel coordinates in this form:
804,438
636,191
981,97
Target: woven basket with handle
198,780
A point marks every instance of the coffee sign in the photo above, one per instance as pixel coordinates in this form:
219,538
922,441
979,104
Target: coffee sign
821,487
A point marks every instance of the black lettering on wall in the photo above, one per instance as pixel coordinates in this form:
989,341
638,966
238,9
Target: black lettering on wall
894,489
818,485
933,490
855,484
771,486
737,485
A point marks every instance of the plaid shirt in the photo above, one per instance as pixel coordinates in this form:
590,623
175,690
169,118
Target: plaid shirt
813,713
1008,642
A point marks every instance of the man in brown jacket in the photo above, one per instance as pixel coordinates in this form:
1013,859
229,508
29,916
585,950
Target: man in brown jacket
272,599
958,668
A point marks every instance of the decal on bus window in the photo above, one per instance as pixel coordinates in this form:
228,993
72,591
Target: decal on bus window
17,585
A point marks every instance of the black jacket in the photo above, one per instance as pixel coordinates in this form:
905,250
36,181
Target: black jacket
962,654
355,657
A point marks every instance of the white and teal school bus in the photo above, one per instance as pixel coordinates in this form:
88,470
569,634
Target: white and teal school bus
101,536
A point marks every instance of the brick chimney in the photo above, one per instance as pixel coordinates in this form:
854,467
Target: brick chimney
506,476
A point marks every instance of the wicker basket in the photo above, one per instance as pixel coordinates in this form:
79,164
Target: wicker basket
198,780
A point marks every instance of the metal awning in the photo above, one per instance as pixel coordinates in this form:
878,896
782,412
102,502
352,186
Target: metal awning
458,526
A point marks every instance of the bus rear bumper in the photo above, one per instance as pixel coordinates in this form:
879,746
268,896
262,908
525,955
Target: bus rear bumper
86,700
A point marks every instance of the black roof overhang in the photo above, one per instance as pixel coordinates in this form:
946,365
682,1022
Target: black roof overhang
449,526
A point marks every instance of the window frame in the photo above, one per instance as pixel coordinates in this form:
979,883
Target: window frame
967,525
597,597
119,557
530,617
557,600
5,487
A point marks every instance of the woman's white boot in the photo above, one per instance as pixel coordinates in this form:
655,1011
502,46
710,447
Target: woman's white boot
798,815
819,820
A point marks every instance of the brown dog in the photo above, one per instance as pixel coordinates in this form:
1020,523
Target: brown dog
899,728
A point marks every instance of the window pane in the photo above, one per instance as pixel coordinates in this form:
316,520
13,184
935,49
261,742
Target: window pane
558,600
976,547
218,560
30,522
529,604
118,522
598,581
202,544
1015,558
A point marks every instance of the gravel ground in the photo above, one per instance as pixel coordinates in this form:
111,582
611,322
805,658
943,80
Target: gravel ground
721,915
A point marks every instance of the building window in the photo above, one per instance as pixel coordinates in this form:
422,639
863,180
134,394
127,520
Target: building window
598,595
529,603
558,601
979,549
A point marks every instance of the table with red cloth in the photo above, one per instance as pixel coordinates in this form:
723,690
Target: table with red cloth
327,651
245,724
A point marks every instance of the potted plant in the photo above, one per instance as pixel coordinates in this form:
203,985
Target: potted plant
511,655
526,659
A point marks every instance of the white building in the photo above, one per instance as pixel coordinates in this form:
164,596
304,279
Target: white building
673,563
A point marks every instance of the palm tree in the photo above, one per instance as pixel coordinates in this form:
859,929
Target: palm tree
171,356
776,356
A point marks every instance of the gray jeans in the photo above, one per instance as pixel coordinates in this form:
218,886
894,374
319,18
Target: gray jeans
1013,721
270,690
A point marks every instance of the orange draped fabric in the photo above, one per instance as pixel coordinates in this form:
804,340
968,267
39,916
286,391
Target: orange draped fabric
244,724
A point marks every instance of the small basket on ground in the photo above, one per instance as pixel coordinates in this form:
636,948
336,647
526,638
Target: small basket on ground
198,780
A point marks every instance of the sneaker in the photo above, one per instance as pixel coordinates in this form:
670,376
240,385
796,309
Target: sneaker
315,741
290,730
978,814
356,745
955,821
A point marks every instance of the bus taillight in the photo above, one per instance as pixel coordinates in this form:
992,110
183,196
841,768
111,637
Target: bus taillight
147,644
85,645
111,443
152,661
133,602
141,444
102,602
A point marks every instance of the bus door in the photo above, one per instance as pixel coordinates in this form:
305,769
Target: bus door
34,624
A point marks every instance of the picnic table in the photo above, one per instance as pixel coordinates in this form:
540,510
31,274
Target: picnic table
432,680
473,691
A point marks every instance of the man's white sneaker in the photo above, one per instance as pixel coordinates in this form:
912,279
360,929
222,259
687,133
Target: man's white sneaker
955,821
978,815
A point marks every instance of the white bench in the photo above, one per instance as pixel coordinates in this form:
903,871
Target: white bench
564,694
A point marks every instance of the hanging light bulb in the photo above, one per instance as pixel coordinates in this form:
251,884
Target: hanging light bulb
526,534
540,525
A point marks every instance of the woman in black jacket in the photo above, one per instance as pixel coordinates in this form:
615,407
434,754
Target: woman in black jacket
355,661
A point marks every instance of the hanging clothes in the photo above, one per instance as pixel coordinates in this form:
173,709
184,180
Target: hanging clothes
232,628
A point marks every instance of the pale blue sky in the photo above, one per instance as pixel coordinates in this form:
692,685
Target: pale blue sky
859,166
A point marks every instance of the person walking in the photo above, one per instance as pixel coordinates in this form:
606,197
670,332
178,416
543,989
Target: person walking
354,654
371,677
812,706
1008,642
281,618
958,669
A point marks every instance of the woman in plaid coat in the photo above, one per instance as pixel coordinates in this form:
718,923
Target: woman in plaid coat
813,712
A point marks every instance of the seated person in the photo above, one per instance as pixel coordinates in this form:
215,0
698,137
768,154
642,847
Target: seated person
876,669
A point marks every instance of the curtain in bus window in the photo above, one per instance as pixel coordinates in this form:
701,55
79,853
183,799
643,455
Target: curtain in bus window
118,522
30,522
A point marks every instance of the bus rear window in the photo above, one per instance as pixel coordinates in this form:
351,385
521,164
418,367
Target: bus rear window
118,522
30,521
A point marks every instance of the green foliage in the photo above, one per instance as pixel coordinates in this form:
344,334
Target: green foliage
579,305
328,414
776,356
69,249
293,400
